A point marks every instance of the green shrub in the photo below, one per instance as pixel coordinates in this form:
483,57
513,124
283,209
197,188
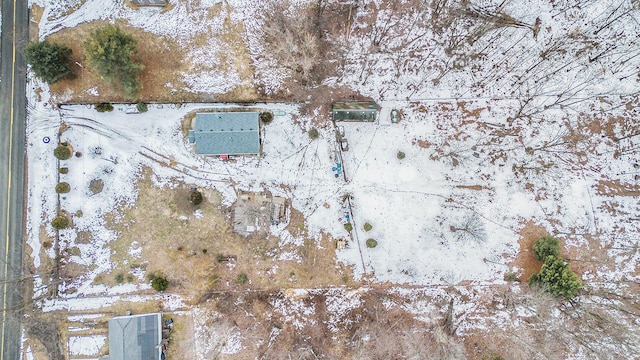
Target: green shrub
367,227
195,197
557,278
266,117
59,222
159,283
63,188
129,278
78,213
545,246
400,155
63,170
371,243
62,152
220,258
313,133
242,278
103,107
348,227
511,277
142,107
119,278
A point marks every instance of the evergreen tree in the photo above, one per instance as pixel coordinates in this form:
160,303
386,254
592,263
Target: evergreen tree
159,283
557,278
114,55
49,61
545,246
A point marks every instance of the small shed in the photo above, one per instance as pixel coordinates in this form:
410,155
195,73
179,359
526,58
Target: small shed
135,337
354,111
226,133
150,2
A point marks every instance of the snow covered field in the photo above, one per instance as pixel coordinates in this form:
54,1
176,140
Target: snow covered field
524,122
439,218
448,212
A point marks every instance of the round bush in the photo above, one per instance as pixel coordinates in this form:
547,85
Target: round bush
242,278
62,152
159,283
141,107
367,227
195,197
545,246
63,170
348,227
59,222
63,188
313,133
103,107
400,155
371,243
266,117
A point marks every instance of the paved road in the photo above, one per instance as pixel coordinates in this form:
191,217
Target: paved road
15,27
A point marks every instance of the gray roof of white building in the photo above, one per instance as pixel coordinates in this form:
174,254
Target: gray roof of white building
226,133
135,337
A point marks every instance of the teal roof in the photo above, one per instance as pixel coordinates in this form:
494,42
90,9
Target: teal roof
135,337
226,133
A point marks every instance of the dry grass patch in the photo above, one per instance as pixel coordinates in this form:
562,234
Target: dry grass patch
195,247
181,341
35,13
47,264
162,57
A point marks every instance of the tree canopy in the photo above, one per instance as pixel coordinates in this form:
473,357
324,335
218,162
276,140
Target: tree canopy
49,61
557,278
545,246
114,55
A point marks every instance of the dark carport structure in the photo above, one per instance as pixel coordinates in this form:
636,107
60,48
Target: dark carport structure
354,111
135,337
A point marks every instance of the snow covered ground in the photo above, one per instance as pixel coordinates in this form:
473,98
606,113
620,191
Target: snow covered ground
437,218
449,211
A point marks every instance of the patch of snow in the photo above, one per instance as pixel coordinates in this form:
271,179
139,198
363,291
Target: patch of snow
86,345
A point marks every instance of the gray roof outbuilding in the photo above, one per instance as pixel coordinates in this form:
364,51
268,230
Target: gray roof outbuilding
135,337
226,133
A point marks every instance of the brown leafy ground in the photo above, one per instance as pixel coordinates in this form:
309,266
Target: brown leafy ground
167,63
526,261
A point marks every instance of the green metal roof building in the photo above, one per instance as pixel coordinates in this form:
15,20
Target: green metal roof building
135,337
226,133
354,111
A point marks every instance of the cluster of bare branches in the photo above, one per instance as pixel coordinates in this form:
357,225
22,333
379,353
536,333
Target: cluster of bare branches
293,39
